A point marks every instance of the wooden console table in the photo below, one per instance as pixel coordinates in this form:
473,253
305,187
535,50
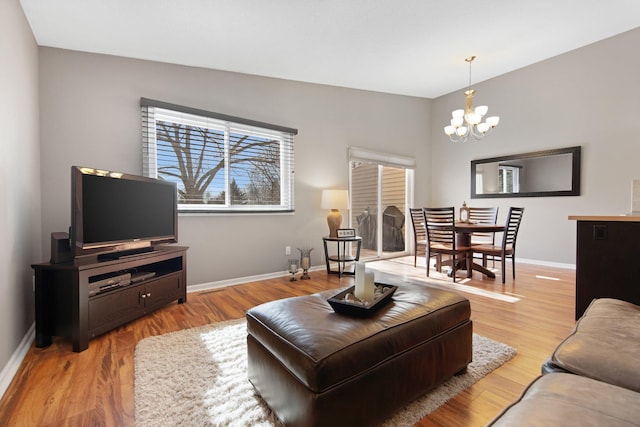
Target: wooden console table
67,305
607,259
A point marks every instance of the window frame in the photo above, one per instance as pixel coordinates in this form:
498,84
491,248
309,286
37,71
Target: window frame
153,111
509,175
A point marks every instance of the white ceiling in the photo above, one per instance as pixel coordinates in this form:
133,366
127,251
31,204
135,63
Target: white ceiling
409,47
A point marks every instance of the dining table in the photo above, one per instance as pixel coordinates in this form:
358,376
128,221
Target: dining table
464,230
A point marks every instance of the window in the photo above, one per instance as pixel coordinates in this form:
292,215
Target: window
220,163
509,179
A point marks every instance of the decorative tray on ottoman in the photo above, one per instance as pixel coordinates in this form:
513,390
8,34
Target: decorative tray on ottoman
382,296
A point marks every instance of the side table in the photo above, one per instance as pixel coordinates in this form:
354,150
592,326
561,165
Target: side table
342,258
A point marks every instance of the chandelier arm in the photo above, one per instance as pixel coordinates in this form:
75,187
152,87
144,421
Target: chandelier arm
476,134
459,138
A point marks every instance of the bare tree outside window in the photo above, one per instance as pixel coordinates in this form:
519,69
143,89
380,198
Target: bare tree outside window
219,164
199,157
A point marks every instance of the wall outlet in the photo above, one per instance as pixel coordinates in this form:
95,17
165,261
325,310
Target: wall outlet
287,250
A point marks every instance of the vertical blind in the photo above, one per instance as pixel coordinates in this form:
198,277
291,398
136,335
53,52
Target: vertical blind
220,162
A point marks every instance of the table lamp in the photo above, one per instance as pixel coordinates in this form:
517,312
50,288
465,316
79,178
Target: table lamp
334,200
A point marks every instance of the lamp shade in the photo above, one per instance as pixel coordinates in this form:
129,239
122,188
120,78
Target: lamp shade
335,199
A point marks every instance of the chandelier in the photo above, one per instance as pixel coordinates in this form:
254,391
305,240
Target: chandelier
469,121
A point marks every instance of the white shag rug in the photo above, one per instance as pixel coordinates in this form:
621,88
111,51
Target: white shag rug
198,377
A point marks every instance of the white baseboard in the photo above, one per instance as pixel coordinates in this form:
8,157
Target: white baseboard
10,369
546,263
239,280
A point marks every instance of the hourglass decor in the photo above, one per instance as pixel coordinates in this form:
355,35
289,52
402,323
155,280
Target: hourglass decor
305,262
293,269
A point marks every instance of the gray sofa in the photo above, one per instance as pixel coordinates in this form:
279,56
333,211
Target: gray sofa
593,376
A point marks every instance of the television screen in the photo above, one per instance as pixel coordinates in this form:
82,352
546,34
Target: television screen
116,211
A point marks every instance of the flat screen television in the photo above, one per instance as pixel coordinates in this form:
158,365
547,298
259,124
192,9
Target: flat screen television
113,212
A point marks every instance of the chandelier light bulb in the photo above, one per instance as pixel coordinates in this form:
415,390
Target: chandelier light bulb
482,110
473,118
483,127
461,131
493,121
457,114
449,130
457,122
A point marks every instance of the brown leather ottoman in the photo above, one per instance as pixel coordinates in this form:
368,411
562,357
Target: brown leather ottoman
315,367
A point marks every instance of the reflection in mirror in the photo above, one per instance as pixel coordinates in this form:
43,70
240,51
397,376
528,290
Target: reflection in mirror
540,173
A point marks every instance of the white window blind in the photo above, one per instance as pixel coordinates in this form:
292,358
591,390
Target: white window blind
220,163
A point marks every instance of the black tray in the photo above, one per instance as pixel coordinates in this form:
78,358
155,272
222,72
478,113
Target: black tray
341,306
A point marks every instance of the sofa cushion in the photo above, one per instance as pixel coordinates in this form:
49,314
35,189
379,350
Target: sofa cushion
565,399
604,345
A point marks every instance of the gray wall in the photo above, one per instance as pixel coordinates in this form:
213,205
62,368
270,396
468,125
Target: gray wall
19,179
91,117
587,97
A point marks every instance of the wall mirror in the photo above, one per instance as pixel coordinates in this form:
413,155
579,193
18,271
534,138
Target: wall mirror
536,174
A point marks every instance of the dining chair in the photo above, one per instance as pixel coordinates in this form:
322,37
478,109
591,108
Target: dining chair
483,216
419,233
441,239
508,246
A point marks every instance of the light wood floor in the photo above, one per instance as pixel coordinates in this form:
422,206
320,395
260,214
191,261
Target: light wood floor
56,387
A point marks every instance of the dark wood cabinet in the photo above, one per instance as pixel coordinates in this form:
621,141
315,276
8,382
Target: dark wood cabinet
608,260
68,305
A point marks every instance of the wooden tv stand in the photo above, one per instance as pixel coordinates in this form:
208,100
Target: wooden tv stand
64,306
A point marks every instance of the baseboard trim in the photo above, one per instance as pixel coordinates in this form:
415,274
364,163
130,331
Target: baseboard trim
240,280
10,369
546,263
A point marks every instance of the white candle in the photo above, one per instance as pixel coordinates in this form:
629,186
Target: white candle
293,268
369,286
360,272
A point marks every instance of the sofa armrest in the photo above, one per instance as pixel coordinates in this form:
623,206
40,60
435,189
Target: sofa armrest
604,344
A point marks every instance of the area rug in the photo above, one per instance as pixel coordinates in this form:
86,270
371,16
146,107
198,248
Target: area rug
198,377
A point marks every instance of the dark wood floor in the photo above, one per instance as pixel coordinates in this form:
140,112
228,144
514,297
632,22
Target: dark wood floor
56,387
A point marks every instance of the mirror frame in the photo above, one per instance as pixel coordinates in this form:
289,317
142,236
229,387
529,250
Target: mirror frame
575,174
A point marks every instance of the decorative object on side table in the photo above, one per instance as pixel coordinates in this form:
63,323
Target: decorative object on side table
346,232
334,200
305,262
293,269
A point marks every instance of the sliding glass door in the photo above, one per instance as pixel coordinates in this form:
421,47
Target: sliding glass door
379,198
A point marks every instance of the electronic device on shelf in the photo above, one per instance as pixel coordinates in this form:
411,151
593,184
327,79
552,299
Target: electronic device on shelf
109,283
119,214
142,275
